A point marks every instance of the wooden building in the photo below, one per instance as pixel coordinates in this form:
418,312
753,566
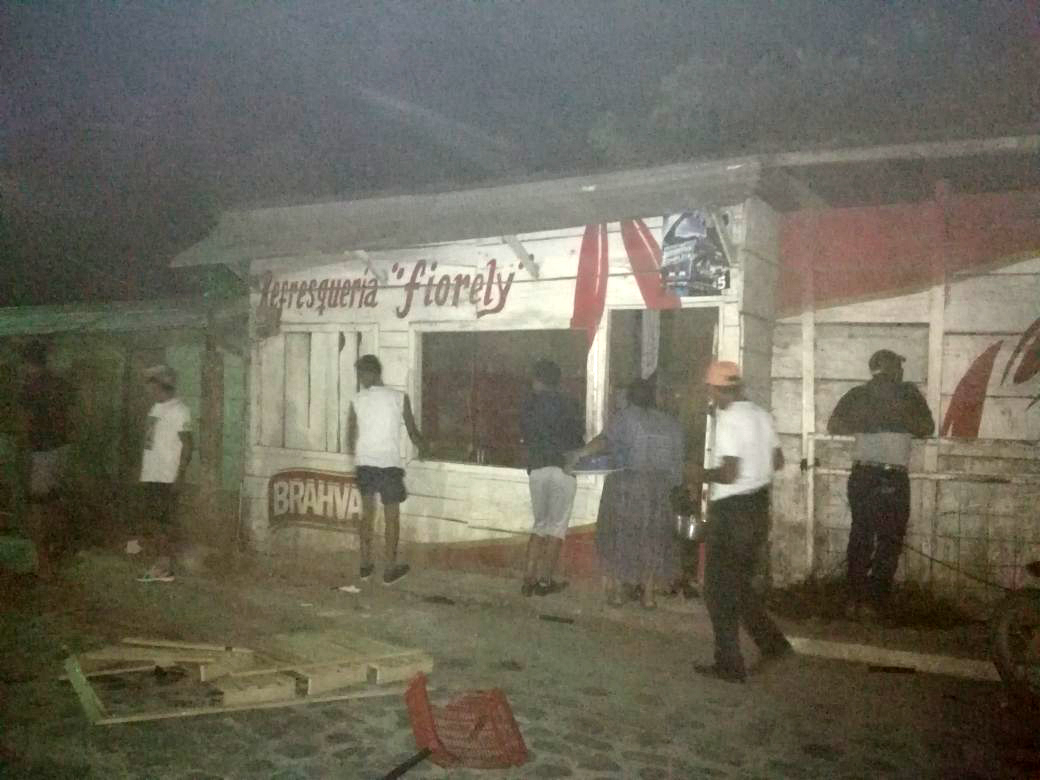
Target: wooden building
101,350
797,266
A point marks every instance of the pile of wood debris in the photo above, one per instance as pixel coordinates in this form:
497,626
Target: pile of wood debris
153,679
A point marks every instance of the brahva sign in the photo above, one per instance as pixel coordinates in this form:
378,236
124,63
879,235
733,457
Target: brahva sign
314,498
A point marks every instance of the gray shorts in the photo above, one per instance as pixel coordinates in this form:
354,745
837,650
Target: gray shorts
552,498
47,470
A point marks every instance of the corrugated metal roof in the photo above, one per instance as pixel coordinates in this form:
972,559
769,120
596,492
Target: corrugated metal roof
414,220
110,318
788,181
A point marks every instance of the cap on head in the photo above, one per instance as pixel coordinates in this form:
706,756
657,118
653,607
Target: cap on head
369,363
162,375
723,373
884,358
547,372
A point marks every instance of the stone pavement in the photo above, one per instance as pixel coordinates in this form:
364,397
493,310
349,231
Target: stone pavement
609,695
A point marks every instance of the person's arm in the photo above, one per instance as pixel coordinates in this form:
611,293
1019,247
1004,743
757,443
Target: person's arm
724,474
598,445
728,470
846,417
352,431
187,448
778,453
526,423
577,425
411,427
917,416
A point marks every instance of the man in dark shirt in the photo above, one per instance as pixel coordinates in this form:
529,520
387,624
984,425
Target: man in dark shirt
883,415
551,427
45,400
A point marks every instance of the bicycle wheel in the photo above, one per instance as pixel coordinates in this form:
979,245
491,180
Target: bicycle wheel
1016,641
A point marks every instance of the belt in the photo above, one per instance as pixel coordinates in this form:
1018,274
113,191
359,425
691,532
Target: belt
869,464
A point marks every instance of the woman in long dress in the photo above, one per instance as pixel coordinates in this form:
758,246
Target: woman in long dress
634,533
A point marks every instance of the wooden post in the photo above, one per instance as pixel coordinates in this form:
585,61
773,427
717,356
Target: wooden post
127,457
650,335
211,429
809,406
936,331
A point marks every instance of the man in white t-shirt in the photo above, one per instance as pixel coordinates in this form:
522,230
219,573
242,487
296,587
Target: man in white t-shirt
373,437
745,456
168,446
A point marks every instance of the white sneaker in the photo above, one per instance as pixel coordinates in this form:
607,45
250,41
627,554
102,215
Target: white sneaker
157,573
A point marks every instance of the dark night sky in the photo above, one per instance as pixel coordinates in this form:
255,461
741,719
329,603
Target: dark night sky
125,127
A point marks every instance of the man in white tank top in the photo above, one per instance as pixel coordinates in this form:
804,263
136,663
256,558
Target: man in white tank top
373,437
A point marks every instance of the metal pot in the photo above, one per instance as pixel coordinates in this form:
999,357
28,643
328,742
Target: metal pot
690,527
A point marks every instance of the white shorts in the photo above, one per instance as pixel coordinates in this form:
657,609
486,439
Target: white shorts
552,498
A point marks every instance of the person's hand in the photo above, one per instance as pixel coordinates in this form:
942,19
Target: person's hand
694,473
570,460
693,492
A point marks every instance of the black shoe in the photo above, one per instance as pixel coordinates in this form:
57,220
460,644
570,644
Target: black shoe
365,572
395,573
774,657
548,587
719,673
527,589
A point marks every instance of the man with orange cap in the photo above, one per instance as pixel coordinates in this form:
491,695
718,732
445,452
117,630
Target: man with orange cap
745,456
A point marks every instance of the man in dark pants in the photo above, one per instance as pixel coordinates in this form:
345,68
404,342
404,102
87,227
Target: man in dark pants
746,454
883,414
45,401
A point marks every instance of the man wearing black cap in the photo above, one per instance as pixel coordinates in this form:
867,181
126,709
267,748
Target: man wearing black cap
883,414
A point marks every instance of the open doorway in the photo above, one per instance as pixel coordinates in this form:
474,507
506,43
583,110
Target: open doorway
674,347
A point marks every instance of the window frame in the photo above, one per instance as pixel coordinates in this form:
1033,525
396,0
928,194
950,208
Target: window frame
420,329
368,342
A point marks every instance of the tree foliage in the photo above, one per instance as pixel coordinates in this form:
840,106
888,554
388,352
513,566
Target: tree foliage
916,73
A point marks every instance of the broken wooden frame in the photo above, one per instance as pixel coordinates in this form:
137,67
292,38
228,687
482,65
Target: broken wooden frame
289,670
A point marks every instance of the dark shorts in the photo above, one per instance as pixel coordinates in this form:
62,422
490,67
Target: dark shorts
159,499
388,483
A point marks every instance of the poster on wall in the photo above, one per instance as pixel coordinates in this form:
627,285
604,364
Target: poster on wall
692,259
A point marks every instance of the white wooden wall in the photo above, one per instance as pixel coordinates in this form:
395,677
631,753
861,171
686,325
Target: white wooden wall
452,502
959,514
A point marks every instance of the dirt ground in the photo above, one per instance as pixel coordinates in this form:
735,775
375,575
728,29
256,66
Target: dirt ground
610,694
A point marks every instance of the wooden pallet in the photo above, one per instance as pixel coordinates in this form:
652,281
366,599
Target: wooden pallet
283,670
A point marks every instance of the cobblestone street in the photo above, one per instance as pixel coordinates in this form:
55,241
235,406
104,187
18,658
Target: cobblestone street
609,695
